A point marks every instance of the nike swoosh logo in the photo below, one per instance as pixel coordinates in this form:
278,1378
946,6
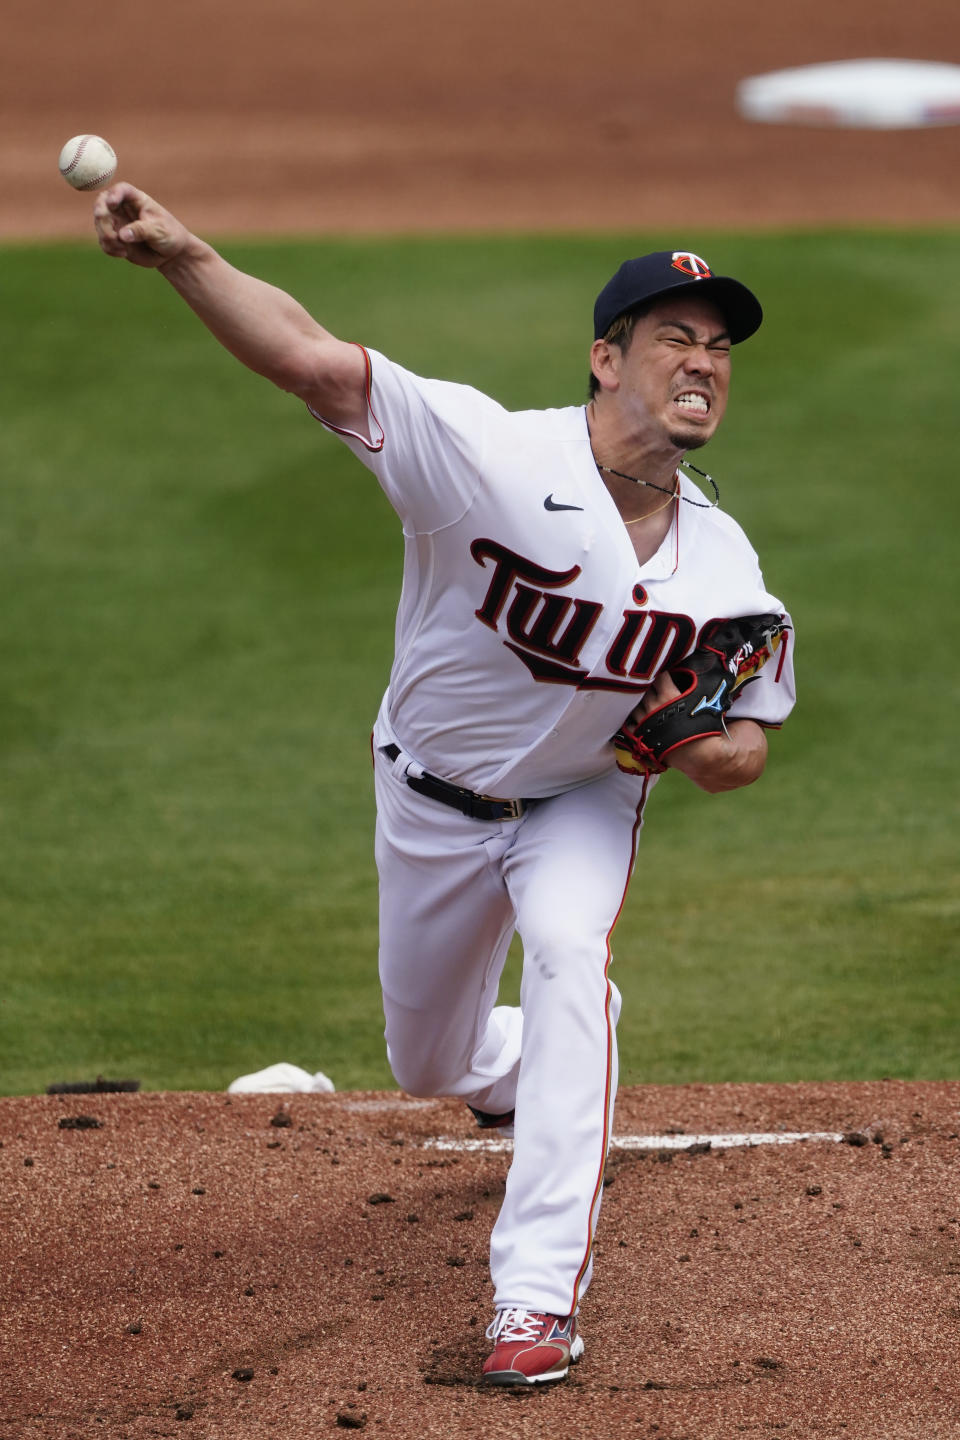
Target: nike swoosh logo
551,504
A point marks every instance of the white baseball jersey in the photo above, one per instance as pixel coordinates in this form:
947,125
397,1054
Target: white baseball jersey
527,631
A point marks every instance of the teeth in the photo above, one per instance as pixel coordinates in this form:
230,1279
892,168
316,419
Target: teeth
693,402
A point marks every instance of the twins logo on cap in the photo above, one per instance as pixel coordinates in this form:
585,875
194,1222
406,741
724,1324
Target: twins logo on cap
665,272
691,264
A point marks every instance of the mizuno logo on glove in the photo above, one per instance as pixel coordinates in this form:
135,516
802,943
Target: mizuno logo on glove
717,702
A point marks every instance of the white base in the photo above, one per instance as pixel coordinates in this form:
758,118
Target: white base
867,94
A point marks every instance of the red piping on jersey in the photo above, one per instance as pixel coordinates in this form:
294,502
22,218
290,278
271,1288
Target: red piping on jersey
338,429
598,1188
783,656
772,724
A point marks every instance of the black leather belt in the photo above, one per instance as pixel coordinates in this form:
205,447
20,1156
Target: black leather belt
478,807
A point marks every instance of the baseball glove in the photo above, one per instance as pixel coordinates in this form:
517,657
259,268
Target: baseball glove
731,653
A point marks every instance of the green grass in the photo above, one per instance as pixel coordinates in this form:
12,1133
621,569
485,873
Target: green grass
198,588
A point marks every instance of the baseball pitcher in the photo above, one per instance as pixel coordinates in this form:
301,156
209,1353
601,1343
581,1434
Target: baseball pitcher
577,618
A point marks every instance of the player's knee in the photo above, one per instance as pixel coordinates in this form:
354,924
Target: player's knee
553,948
418,1075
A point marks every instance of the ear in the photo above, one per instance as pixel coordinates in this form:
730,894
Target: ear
605,360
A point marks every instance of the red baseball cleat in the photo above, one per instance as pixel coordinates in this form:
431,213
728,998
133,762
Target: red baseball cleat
531,1347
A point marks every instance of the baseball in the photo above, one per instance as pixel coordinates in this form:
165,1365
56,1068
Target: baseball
87,162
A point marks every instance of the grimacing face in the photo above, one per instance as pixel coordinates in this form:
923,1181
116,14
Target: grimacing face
674,377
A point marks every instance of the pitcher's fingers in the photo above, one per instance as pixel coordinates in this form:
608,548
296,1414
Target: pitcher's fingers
660,693
124,197
107,224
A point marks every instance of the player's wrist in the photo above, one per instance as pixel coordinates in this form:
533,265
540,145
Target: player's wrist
716,763
188,254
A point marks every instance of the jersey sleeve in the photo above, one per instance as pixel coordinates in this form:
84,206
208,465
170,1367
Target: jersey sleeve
770,697
737,587
425,442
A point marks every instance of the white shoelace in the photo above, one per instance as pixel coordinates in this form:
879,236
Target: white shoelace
515,1325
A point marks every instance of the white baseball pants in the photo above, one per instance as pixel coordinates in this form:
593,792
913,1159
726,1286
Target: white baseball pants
452,892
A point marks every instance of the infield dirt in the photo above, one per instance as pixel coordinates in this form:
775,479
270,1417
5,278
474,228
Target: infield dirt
226,1267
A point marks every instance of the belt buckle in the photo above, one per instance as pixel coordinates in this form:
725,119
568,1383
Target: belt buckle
512,809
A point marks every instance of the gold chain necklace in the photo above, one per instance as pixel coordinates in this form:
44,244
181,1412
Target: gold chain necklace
669,501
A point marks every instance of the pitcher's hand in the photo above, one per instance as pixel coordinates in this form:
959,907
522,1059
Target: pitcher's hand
131,226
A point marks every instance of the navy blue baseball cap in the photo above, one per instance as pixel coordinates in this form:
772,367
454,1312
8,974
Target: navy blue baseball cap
669,272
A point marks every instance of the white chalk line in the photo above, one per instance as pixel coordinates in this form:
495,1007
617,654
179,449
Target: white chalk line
724,1141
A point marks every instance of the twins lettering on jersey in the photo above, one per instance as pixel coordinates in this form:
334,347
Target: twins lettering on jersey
548,630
